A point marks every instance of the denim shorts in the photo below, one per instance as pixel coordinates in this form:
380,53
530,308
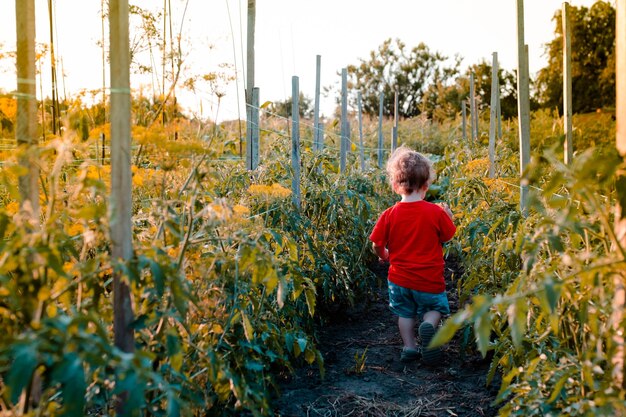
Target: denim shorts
409,304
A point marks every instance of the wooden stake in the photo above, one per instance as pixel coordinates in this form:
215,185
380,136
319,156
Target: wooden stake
295,141
394,130
53,74
493,115
362,153
250,80
26,124
344,120
380,130
254,129
316,110
121,198
473,116
523,104
619,297
464,120
568,150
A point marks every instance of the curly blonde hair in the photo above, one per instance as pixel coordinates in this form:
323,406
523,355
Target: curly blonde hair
409,170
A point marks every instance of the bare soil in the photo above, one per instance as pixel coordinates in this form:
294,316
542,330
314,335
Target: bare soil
382,385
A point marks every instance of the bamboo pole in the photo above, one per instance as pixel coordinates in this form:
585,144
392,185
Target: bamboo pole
316,109
493,115
362,153
568,150
295,141
619,298
121,199
344,121
26,128
381,98
523,104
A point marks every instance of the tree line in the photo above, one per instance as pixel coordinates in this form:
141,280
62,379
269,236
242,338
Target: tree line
429,83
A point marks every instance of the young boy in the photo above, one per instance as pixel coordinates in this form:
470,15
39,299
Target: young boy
410,235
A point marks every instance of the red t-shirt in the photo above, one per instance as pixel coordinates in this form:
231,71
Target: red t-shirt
413,233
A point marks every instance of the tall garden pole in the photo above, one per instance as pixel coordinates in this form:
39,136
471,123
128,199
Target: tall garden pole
394,130
523,103
53,74
499,109
362,153
568,150
250,80
295,140
619,298
344,120
254,129
464,120
120,204
316,109
493,115
380,129
473,118
26,129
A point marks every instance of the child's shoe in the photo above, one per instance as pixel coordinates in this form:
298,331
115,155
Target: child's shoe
430,357
409,355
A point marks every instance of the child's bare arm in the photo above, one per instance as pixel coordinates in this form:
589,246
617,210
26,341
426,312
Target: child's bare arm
446,208
381,251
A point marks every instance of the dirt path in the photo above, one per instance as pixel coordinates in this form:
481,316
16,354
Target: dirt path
385,386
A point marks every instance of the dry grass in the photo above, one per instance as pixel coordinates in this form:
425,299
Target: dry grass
356,406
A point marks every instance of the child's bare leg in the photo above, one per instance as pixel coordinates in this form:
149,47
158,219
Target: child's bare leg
407,331
432,317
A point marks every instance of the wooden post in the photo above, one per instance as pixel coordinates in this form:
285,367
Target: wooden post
26,128
362,153
394,130
250,80
493,115
320,132
473,117
316,111
568,150
523,104
320,129
53,74
120,200
295,141
344,120
250,50
255,129
499,110
619,297
103,137
464,120
380,130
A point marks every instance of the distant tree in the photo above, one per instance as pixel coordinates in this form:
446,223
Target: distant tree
593,60
283,108
442,101
508,87
393,66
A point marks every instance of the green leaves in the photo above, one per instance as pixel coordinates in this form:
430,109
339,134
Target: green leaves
71,374
25,360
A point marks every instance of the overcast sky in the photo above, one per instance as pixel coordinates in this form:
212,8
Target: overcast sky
289,35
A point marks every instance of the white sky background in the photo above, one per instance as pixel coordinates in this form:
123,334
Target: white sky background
289,35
